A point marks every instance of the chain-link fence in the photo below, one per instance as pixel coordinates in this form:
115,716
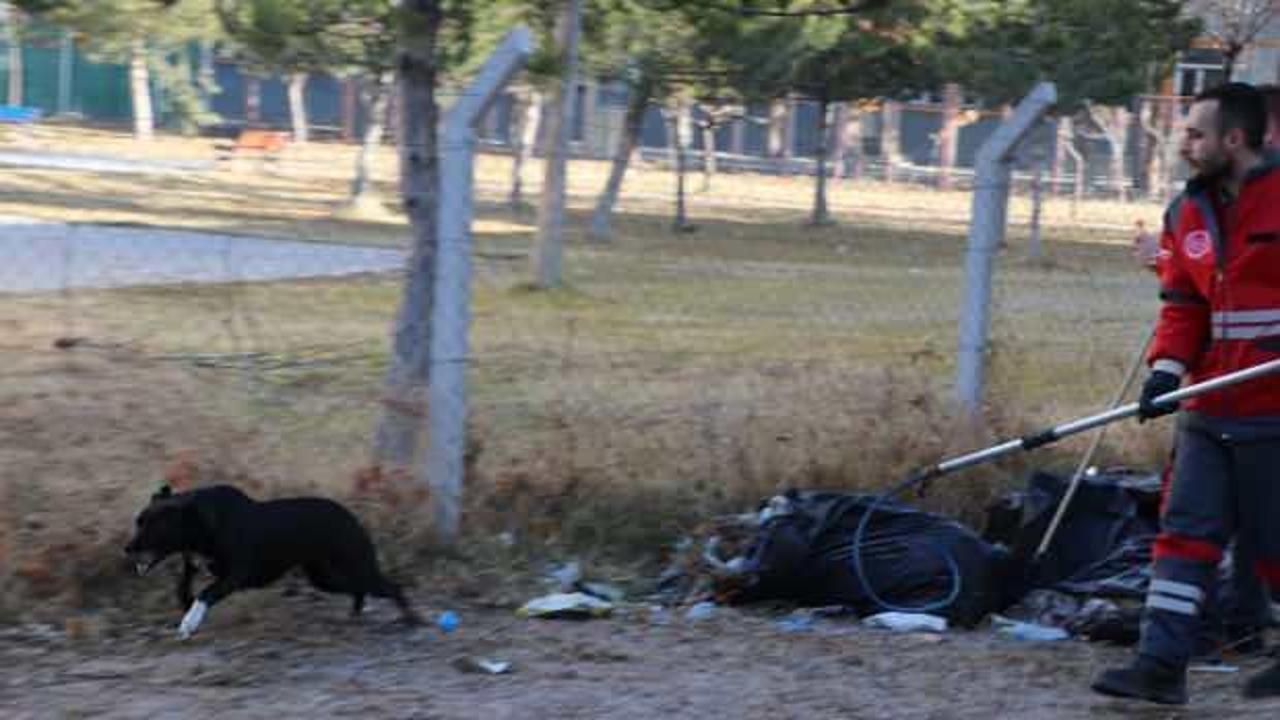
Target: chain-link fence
188,297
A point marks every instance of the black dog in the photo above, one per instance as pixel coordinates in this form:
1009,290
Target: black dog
250,544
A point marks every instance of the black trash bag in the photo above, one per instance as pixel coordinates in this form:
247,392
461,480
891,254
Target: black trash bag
1102,546
804,553
1102,549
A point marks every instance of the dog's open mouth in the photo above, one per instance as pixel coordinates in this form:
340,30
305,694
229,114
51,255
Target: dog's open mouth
144,561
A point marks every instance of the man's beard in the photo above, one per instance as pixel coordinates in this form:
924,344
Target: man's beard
1212,169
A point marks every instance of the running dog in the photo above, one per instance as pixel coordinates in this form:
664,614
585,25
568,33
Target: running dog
250,544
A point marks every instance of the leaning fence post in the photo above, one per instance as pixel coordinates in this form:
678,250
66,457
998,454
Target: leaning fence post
451,308
986,230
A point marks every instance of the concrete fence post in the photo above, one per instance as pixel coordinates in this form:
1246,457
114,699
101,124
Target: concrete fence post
451,308
986,231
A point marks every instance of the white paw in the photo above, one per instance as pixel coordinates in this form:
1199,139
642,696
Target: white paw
192,619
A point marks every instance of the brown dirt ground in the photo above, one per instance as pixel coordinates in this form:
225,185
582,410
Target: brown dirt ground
263,655
79,638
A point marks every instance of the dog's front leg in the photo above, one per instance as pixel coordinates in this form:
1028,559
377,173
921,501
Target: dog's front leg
184,581
207,598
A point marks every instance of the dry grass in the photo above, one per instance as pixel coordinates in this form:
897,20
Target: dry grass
675,377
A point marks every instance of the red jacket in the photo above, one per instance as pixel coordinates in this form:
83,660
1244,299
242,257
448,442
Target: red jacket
1220,283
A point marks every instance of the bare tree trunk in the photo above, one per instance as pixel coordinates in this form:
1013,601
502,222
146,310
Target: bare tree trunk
13,36
1230,54
66,58
839,139
208,76
778,129
1172,147
637,104
548,246
348,108
708,154
1067,141
252,99
851,162
140,91
395,103
1037,203
681,122
375,99
821,213
1114,124
526,142
789,132
1151,156
1162,124
396,439
1119,178
591,130
949,134
679,126
1061,140
298,106
889,143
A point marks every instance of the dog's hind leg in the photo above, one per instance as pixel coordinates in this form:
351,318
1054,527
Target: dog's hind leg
324,578
383,588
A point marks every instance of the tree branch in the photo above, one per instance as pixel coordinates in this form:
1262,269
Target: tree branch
849,8
742,7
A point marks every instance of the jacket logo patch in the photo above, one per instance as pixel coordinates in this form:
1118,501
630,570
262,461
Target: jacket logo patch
1197,244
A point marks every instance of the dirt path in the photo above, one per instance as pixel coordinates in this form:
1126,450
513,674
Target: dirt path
40,255
271,657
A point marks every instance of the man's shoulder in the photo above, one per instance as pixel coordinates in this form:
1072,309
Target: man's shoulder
1173,211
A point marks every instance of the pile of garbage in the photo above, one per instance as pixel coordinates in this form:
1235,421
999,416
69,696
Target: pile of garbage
873,556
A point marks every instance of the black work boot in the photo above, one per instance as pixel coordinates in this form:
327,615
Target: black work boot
1145,679
1265,684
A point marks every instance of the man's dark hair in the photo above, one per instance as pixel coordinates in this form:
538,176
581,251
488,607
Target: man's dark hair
1241,106
1271,96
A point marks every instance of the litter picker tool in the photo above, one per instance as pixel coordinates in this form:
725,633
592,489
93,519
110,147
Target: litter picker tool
1067,429
1087,459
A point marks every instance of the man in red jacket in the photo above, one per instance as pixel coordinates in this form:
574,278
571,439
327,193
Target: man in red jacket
1220,287
1238,626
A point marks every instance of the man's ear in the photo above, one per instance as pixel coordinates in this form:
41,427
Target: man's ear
1233,138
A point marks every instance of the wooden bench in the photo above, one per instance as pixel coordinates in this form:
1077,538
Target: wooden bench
265,144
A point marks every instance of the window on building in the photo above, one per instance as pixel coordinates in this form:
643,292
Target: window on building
1199,69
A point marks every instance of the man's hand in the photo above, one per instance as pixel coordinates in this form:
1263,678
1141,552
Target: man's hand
1146,247
1159,382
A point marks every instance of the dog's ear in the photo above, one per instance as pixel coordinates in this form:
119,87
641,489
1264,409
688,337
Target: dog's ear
164,492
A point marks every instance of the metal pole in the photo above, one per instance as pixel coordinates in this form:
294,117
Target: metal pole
1058,432
986,231
451,307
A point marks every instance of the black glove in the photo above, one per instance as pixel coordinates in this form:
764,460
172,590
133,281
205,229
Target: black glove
1160,382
